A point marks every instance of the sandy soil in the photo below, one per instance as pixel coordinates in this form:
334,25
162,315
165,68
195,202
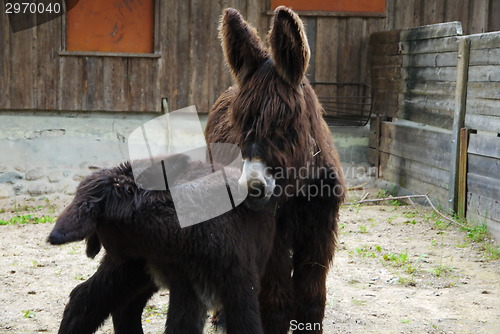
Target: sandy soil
396,271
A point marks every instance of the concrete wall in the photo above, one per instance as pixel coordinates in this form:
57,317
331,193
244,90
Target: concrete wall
44,153
47,153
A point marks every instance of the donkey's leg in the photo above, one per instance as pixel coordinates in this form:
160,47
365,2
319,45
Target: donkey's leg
276,296
239,297
186,312
92,301
314,246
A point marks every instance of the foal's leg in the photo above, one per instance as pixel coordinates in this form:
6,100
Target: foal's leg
186,312
314,246
112,285
127,318
239,297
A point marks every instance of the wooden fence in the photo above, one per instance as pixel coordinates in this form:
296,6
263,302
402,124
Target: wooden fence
437,101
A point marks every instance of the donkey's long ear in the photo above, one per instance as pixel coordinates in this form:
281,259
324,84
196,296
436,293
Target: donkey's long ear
242,47
289,46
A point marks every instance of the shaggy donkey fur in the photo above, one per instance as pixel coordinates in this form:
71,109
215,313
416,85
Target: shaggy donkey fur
215,263
273,106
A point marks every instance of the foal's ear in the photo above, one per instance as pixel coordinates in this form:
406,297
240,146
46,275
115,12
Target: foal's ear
289,46
242,47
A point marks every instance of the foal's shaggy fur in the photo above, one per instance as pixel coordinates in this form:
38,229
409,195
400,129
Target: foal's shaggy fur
274,107
215,263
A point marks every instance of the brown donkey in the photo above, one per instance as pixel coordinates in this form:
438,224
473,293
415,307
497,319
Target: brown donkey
273,115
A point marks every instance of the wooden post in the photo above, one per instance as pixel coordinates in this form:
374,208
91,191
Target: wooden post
458,118
378,127
462,173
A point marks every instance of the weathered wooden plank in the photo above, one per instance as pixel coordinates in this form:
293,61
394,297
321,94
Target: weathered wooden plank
372,156
483,186
387,49
384,37
484,73
404,18
484,210
414,185
446,44
480,144
387,85
386,72
432,157
326,67
182,64
47,64
440,30
493,21
483,122
414,169
199,57
410,132
432,12
484,41
430,88
385,104
479,16
483,90
70,83
485,56
22,84
424,74
5,69
444,104
426,116
489,107
384,60
94,84
114,88
442,59
484,165
483,206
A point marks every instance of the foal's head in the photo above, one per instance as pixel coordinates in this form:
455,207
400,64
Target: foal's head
274,105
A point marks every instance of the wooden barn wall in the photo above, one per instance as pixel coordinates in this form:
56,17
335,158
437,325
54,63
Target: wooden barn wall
483,115
191,70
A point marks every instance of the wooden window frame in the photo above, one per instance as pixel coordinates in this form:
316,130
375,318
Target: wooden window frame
270,11
156,40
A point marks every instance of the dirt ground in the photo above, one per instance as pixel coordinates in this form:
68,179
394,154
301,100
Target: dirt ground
398,269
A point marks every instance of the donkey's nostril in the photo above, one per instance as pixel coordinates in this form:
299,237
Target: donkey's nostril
256,189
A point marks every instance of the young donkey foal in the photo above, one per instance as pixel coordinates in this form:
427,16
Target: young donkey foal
215,263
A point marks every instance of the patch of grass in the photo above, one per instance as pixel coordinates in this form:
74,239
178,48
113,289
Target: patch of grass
363,229
478,233
492,251
28,314
413,222
441,270
152,311
381,193
28,219
396,259
358,302
405,321
365,252
410,214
